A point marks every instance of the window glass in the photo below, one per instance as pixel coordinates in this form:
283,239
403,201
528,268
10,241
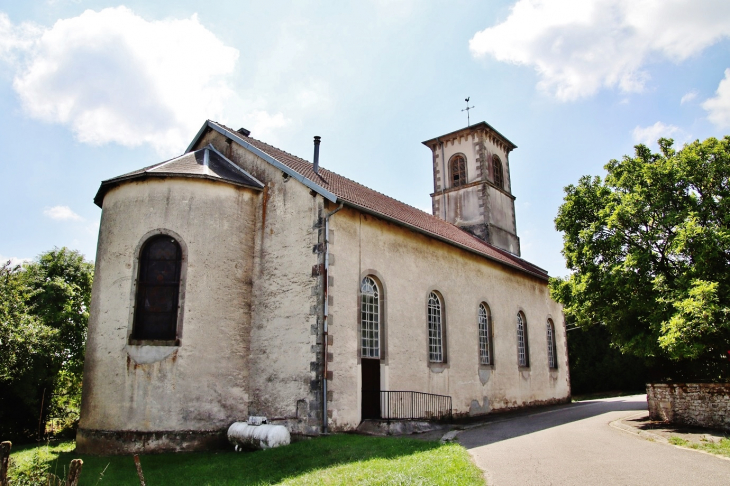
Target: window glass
552,359
435,336
523,357
370,318
158,288
485,335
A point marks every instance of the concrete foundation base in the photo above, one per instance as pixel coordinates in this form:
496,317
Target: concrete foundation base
108,442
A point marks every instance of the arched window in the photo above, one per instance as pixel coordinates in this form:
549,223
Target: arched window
485,335
498,174
552,357
523,351
457,166
435,329
369,318
158,290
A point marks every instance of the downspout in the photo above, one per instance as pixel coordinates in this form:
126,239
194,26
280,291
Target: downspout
325,330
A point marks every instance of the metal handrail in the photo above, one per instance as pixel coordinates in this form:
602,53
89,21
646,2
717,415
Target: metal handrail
412,405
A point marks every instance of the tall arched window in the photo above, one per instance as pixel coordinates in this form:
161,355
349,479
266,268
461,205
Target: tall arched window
552,358
435,329
485,335
369,318
158,290
498,174
457,166
523,351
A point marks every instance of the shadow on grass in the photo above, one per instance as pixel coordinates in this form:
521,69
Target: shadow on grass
260,467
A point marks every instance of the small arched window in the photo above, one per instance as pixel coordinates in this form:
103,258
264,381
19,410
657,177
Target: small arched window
158,290
551,348
435,329
523,352
485,335
369,318
457,166
497,170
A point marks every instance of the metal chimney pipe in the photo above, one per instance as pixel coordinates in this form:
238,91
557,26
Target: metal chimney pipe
317,140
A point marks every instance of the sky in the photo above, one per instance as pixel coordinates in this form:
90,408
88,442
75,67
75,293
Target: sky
93,89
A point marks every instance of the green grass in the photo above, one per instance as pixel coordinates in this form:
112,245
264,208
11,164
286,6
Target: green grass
721,448
337,459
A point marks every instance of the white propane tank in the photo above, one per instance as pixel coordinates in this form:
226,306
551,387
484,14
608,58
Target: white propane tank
265,436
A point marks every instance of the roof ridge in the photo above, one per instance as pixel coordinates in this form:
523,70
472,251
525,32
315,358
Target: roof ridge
338,175
372,200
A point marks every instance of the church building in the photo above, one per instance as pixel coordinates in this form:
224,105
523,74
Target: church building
239,280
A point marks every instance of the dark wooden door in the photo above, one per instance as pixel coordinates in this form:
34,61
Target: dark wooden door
370,388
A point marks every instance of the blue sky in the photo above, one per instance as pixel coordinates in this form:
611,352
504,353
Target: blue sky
90,90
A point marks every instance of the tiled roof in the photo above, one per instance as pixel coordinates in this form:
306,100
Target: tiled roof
357,195
191,164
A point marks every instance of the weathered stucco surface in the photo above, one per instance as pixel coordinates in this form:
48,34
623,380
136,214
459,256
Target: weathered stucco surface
285,296
479,207
201,384
410,265
253,307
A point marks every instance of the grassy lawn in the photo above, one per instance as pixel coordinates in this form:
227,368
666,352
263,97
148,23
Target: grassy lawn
721,448
337,459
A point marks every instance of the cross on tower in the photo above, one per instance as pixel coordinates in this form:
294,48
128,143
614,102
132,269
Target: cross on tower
468,121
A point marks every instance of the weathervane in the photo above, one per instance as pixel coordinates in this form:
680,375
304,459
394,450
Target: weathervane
468,121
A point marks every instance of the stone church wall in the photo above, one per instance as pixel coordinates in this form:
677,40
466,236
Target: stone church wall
410,265
140,398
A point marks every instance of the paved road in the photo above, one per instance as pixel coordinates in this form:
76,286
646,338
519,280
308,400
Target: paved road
574,445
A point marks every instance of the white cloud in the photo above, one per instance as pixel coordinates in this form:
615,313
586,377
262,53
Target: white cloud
62,213
13,260
580,46
15,38
719,107
649,135
688,97
112,76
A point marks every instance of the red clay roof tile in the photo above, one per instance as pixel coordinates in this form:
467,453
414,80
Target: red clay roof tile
360,196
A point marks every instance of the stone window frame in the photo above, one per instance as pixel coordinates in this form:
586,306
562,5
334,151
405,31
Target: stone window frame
442,320
487,333
461,171
131,340
498,171
378,278
523,345
552,348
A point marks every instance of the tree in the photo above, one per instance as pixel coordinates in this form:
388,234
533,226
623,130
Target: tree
43,320
649,252
595,366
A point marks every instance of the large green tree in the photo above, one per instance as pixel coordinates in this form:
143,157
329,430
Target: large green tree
648,248
43,321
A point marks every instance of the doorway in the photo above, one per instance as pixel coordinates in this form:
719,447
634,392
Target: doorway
370,388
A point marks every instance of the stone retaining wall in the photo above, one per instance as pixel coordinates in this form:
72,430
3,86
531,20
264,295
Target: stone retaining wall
702,404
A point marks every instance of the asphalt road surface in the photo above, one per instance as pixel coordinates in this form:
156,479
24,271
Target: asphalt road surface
575,445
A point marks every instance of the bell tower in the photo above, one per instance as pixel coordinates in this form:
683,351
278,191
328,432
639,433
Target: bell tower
472,184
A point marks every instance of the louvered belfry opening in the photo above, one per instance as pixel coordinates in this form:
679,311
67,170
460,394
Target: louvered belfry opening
458,171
